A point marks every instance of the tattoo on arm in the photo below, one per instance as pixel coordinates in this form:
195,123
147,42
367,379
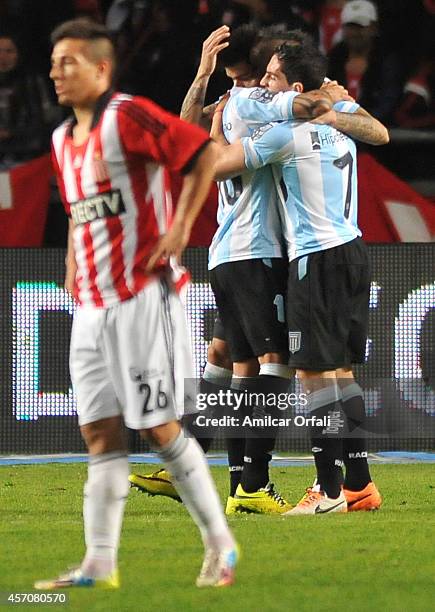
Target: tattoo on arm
209,109
363,127
193,103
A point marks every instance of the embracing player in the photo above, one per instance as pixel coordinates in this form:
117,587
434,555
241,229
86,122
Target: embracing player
329,282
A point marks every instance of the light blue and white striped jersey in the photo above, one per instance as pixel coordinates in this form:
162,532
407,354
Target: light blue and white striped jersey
248,211
316,166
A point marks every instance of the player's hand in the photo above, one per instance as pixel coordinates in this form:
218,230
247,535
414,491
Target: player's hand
217,131
222,102
172,243
328,118
217,41
337,92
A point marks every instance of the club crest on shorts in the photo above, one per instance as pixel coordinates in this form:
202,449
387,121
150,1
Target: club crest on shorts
294,341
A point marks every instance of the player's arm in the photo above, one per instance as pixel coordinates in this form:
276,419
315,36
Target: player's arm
363,126
312,104
192,109
230,161
196,185
70,260
359,125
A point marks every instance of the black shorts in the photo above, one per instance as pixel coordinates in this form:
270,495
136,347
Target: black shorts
250,296
328,307
218,329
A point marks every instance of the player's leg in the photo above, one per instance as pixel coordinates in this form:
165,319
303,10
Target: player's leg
103,430
105,493
153,363
256,493
217,374
360,491
264,325
326,423
318,313
237,346
250,296
186,462
243,373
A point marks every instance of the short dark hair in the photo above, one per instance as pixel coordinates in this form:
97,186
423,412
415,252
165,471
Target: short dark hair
84,28
241,41
303,63
272,37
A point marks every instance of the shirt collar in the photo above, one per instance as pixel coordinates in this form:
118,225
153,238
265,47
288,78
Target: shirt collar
100,107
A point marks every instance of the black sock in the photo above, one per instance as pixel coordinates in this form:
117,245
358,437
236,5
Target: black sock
236,452
260,440
204,435
255,473
326,439
355,448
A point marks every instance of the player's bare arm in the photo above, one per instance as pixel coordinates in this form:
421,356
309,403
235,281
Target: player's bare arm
360,126
196,186
70,260
312,104
368,130
230,161
192,109
216,130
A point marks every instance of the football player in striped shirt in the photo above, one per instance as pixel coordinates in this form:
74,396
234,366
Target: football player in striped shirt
329,280
130,350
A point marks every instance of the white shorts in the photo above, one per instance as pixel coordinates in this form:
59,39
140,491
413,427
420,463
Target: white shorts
132,359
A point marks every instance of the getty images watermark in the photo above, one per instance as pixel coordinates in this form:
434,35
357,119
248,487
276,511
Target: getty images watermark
246,409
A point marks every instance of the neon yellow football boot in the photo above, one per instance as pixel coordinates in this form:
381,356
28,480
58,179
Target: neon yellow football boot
264,501
157,483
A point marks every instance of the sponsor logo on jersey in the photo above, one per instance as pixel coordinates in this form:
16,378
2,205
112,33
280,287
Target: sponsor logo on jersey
100,206
142,375
315,142
361,455
294,341
318,140
258,133
262,95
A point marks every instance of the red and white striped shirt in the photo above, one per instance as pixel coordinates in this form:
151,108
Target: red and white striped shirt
117,191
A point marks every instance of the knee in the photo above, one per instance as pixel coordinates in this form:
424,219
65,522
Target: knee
161,435
218,355
104,436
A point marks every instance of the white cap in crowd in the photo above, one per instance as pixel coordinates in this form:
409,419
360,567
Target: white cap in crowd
361,12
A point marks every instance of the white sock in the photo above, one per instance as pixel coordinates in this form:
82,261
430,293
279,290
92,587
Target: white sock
216,375
188,466
278,370
105,493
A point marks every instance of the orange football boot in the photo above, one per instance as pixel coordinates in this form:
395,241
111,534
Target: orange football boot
368,498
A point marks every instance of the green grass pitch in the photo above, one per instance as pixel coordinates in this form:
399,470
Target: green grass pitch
382,561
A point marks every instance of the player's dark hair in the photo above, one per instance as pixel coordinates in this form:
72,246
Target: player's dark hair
302,62
269,39
241,41
86,29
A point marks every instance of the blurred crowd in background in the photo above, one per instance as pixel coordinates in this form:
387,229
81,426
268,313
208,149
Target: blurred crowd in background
383,52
